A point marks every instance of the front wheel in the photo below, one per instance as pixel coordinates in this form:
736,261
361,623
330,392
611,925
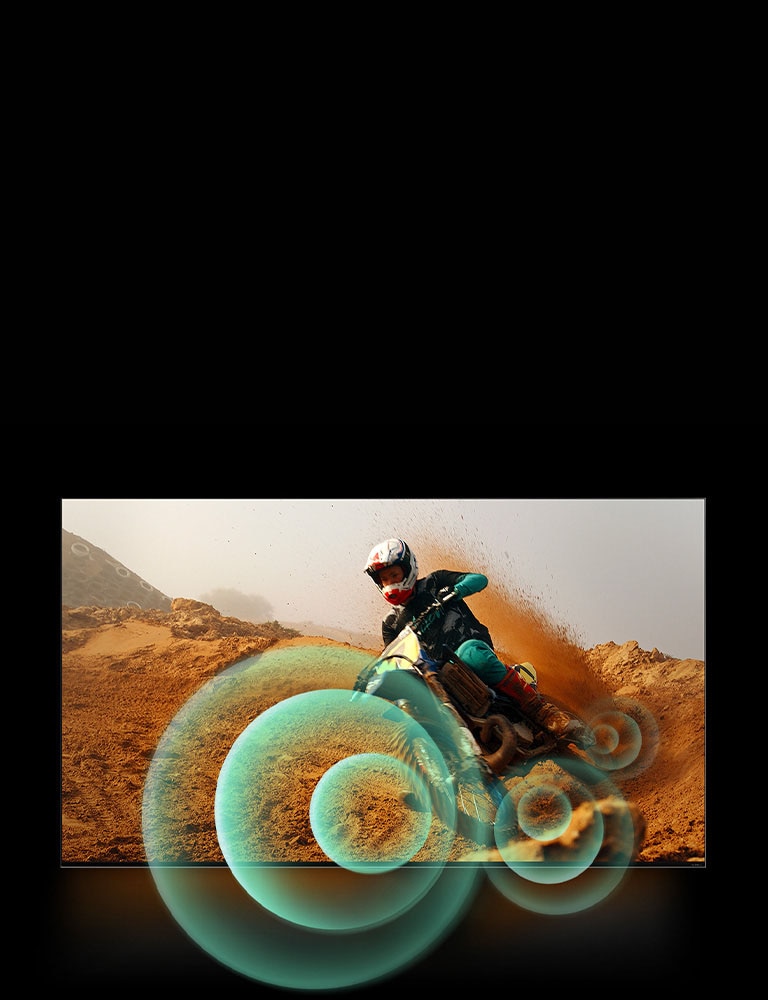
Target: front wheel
478,797
463,793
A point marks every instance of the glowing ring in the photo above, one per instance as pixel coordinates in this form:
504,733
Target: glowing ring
575,875
260,768
558,898
627,736
350,789
224,922
532,826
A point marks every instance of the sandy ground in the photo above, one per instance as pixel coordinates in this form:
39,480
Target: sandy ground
127,673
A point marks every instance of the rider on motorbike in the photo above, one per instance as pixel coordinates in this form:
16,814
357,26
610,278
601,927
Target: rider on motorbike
392,566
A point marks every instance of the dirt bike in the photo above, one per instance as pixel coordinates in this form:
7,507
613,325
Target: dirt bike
472,735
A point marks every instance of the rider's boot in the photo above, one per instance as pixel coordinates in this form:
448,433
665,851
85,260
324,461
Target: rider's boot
531,704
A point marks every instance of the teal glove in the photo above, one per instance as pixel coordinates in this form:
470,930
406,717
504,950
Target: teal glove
470,583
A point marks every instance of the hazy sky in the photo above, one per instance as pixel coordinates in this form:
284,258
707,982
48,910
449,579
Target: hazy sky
611,570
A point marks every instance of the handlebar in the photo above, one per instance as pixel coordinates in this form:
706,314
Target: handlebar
415,626
436,605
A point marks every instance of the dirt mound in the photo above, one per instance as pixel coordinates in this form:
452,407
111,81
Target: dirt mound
125,674
670,790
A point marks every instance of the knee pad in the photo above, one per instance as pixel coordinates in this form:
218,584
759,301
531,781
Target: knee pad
479,657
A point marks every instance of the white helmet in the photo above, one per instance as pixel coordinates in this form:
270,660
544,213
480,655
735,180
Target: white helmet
393,552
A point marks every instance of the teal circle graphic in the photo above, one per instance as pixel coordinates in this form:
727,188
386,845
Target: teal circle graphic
557,898
532,827
345,934
249,777
586,861
226,923
544,812
320,926
606,737
627,736
618,741
341,804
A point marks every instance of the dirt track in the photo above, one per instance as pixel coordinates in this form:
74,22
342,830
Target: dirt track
126,673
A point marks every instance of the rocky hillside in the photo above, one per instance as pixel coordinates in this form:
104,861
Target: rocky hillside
90,576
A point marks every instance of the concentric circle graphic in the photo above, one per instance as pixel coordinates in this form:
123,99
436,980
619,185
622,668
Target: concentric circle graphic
533,822
261,910
627,736
593,886
346,823
562,854
249,779
544,812
360,905
226,923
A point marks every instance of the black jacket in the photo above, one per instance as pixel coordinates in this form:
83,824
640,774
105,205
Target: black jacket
455,625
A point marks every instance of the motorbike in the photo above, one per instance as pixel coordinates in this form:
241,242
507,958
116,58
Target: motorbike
469,736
